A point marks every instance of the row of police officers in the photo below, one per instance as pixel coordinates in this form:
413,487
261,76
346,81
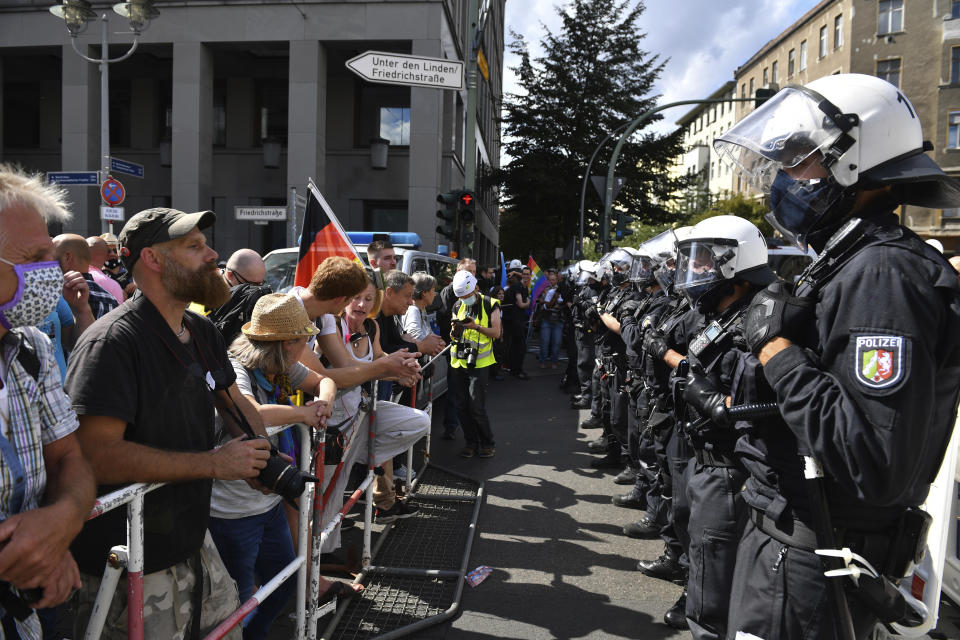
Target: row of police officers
760,420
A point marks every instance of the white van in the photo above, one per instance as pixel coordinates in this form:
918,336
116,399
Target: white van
282,265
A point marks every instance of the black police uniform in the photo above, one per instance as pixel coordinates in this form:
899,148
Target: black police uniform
613,355
586,345
714,478
873,397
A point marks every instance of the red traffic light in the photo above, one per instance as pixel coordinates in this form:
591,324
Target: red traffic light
466,199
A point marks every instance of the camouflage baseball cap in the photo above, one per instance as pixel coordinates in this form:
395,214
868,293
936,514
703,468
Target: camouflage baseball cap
153,226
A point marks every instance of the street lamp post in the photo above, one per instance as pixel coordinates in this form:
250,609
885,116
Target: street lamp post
76,14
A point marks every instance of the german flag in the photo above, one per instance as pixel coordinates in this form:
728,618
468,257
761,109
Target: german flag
322,237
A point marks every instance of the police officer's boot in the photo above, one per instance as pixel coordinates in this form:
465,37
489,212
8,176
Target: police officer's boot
593,422
636,499
646,528
613,459
666,567
597,446
627,476
676,616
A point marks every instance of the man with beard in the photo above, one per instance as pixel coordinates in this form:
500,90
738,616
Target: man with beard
155,423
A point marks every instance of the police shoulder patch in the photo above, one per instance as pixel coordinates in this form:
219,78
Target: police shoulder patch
879,360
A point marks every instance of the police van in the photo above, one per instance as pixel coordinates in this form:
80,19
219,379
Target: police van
282,265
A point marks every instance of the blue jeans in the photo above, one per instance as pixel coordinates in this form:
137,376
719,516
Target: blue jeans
256,547
551,335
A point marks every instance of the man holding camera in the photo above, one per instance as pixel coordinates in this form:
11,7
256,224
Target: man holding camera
156,424
475,325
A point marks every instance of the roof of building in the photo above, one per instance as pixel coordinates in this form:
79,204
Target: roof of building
807,17
700,108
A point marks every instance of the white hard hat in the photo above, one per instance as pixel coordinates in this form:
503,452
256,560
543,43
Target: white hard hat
515,264
464,283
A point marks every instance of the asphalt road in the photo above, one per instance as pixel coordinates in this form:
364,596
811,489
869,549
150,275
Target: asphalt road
562,566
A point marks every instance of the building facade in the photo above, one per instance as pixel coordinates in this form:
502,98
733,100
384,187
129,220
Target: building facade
235,103
712,179
913,45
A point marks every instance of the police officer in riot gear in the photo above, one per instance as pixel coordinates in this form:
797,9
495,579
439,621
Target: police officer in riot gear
583,330
613,355
592,286
863,358
720,267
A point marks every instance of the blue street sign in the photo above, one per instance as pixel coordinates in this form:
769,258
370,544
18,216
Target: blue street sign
125,166
74,178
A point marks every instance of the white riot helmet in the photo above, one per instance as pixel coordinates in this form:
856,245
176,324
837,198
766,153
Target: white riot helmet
588,272
657,252
861,129
617,264
717,252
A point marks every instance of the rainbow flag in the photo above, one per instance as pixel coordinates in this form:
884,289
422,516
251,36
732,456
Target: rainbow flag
537,279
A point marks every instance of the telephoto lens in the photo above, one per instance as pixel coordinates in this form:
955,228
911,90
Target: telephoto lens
283,478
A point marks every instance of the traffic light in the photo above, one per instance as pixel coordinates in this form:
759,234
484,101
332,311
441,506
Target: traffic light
762,94
622,225
466,215
448,213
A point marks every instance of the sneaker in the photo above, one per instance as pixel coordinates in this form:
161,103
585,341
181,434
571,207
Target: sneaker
467,452
401,473
398,511
487,452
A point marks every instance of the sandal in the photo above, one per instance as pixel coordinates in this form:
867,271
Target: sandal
341,589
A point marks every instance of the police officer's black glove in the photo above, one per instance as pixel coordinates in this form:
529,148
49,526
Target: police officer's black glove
627,310
775,312
591,314
709,401
655,344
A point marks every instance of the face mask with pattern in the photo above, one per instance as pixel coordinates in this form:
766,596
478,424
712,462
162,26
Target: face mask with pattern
39,285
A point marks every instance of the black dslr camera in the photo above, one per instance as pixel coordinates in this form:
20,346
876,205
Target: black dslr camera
283,478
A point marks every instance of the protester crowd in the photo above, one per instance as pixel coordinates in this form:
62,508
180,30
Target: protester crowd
753,420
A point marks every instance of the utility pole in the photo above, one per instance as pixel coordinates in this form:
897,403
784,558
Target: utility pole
470,118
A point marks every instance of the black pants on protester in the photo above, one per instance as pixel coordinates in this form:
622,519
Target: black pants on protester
469,388
517,349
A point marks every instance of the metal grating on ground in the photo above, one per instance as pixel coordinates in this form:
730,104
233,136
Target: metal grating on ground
439,482
391,602
432,539
438,539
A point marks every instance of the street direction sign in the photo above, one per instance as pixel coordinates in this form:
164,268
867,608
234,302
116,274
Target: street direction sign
74,178
112,192
118,165
260,214
397,68
114,214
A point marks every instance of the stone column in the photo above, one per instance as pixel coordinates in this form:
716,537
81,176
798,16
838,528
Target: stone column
80,135
306,119
426,149
192,154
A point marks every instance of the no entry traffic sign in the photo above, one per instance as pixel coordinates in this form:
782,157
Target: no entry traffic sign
112,192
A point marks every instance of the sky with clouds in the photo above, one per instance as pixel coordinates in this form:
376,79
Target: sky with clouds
705,40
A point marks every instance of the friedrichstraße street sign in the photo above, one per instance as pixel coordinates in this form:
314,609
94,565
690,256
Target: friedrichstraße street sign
397,68
118,165
74,178
260,214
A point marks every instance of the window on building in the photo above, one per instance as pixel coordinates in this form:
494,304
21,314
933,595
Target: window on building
791,62
384,216
219,114
21,114
823,42
889,70
838,31
751,87
774,72
954,65
803,55
889,17
766,76
273,98
743,90
120,113
395,125
955,9
953,130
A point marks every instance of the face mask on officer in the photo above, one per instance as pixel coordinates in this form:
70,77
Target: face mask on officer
798,207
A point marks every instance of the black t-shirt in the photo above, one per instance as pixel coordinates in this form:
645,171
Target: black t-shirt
130,365
512,313
391,335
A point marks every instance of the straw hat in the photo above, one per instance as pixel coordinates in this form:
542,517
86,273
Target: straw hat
279,316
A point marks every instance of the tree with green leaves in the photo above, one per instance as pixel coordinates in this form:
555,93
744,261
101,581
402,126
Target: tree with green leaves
592,77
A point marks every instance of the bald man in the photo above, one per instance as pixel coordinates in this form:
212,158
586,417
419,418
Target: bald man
98,255
73,254
245,266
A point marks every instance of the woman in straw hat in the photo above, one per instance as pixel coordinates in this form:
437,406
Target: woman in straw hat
248,526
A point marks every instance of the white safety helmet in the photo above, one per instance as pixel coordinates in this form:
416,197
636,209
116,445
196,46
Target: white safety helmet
656,252
718,251
617,264
588,272
861,129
